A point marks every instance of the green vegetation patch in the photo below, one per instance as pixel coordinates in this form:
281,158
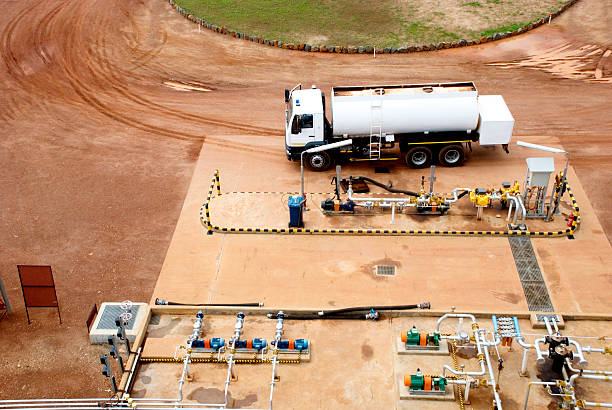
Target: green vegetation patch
383,23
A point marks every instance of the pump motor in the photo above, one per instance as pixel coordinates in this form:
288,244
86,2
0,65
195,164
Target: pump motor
214,343
425,384
297,344
251,344
414,339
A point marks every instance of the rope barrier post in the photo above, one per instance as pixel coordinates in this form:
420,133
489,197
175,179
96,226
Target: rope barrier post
208,224
218,182
206,205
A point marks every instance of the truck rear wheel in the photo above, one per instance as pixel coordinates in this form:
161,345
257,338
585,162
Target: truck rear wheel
418,157
451,155
319,161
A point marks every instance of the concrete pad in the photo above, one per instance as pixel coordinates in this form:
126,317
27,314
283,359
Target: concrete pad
156,347
406,394
441,350
355,364
291,271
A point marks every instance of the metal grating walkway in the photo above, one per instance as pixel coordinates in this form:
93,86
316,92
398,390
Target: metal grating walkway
530,275
112,312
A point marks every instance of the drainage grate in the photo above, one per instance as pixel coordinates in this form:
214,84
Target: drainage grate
385,270
112,312
530,275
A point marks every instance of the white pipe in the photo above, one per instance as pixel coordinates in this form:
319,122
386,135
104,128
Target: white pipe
547,323
588,376
529,388
582,361
587,371
73,405
492,376
455,197
595,404
132,370
447,315
182,381
278,334
541,147
466,394
147,406
590,349
368,199
540,354
230,361
516,200
603,338
554,322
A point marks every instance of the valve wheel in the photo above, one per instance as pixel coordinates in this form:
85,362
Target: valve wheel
126,305
125,317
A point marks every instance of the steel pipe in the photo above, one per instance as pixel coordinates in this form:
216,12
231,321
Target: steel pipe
529,388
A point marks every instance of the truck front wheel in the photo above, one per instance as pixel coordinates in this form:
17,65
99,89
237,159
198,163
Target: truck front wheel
451,155
319,161
418,157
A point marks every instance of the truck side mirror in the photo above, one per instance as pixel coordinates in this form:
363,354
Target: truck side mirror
295,125
286,95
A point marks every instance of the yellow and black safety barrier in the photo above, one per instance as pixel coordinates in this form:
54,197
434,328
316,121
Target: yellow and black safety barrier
206,222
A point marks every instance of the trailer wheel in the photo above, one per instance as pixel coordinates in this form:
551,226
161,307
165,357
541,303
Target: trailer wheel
451,155
418,157
319,161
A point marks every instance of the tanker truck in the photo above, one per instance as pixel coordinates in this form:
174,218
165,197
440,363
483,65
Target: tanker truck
427,122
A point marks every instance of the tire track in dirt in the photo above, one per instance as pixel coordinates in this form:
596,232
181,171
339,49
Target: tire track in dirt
251,129
11,62
99,68
112,73
74,46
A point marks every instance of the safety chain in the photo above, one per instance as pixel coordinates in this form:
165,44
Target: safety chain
574,222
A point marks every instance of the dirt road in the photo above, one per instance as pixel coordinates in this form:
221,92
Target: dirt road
104,106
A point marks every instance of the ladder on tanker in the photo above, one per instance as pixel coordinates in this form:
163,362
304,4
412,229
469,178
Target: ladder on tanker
376,125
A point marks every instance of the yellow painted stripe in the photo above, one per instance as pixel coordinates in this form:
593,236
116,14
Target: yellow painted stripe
435,142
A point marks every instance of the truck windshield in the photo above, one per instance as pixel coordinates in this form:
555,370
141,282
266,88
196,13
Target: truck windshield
289,110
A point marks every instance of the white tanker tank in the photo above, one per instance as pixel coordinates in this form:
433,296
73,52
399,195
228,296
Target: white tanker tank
404,109
427,121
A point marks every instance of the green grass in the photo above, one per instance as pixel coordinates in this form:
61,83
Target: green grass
383,23
503,29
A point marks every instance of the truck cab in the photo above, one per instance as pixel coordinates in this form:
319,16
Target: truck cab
304,121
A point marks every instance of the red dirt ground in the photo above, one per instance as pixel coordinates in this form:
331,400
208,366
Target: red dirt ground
97,152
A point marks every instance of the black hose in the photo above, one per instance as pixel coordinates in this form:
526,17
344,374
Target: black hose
336,317
361,312
165,302
461,195
386,187
424,305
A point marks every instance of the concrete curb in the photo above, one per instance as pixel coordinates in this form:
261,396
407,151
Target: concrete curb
369,49
210,228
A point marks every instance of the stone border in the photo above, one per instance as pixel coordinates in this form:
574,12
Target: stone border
370,49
